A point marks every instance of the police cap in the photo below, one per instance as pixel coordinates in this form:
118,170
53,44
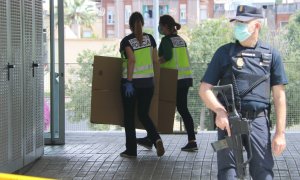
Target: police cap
246,13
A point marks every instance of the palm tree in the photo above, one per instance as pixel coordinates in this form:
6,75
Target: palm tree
78,13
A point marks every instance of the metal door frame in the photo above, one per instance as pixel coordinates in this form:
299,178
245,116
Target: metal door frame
57,79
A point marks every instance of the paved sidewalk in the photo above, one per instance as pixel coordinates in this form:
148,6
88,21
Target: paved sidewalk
95,155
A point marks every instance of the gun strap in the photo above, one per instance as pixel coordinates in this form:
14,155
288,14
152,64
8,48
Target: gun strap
254,85
236,93
240,95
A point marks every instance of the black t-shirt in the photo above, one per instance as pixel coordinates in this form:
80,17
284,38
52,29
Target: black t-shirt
132,42
222,60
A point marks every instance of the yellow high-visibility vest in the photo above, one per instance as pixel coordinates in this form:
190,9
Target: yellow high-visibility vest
180,58
143,67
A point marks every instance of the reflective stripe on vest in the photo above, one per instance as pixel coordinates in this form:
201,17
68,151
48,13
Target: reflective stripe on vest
143,67
185,76
179,61
137,76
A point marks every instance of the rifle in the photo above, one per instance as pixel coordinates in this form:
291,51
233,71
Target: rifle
239,126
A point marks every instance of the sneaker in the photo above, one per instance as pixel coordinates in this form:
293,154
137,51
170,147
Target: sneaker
191,146
127,154
145,142
160,150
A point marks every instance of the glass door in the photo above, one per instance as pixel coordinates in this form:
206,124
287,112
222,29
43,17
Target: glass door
54,105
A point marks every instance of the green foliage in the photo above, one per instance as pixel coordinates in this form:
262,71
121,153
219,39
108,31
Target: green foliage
292,65
292,92
104,127
149,31
78,88
206,38
77,13
286,41
100,127
293,34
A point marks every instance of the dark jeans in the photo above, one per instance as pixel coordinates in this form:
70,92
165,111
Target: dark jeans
262,161
183,110
141,96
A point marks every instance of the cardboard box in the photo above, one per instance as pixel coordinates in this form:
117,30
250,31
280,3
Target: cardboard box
106,108
107,72
168,85
166,113
166,100
106,103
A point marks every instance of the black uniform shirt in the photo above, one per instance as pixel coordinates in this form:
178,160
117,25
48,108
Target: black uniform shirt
222,60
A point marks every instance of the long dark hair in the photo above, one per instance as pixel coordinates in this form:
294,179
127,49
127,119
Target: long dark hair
169,22
136,23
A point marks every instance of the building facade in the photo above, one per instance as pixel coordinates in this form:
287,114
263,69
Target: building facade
117,12
284,11
113,15
276,14
227,8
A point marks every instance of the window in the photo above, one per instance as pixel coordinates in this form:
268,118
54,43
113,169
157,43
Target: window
163,10
148,11
87,33
148,15
283,23
110,16
127,13
182,15
203,12
219,7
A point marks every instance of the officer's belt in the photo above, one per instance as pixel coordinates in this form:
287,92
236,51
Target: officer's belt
253,114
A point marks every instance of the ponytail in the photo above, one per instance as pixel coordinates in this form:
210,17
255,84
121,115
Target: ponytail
178,26
167,20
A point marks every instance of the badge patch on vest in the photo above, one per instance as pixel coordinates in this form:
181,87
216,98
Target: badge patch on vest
240,62
136,45
245,54
177,42
266,59
264,63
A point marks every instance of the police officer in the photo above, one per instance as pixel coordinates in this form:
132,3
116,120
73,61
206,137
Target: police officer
173,54
251,66
138,51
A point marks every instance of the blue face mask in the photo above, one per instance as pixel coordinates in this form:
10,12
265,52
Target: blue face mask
241,32
160,30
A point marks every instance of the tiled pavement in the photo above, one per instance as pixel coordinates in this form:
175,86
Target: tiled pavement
96,156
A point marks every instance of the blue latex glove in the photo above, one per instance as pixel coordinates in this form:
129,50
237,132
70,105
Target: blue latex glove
128,88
